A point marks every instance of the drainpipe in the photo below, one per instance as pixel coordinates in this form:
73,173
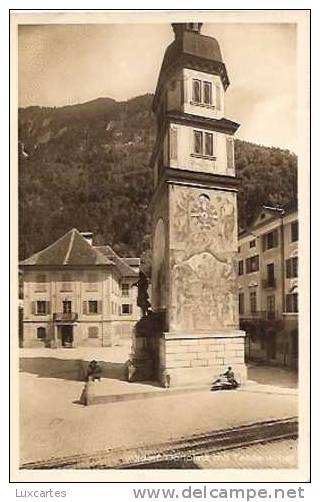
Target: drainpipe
282,266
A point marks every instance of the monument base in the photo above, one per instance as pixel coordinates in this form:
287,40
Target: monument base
199,358
143,364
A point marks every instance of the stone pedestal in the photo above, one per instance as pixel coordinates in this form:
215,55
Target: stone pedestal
143,362
200,358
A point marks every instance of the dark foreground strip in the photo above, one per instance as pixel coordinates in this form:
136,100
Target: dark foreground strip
171,454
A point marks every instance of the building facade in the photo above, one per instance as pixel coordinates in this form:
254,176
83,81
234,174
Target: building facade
268,287
76,294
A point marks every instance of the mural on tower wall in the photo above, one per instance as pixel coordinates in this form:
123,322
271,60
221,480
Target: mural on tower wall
203,263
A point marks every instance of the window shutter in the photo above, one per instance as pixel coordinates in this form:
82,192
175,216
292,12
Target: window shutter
214,144
173,143
288,269
119,310
218,97
33,308
264,242
48,308
99,307
84,308
182,98
230,153
130,309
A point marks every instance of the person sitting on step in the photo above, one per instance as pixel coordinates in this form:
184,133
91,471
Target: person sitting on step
94,371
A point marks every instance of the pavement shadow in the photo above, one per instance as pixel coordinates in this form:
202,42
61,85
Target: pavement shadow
271,375
69,369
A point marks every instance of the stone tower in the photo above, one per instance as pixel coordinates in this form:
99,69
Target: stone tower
194,214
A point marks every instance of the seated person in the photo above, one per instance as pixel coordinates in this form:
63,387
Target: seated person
94,371
225,380
229,374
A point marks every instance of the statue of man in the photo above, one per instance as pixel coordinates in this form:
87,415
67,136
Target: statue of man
143,296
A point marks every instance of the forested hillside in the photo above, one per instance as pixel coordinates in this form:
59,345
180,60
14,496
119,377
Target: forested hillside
87,166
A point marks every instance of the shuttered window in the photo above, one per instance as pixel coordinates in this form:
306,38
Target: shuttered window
230,163
41,307
173,143
67,307
92,307
126,309
93,332
253,302
218,97
292,267
294,231
270,240
125,289
252,264
292,303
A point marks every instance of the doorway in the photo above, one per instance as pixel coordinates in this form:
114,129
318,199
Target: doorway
66,335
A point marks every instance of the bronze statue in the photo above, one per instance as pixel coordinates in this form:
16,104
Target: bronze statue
143,296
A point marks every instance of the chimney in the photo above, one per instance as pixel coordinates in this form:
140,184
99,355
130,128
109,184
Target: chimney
88,237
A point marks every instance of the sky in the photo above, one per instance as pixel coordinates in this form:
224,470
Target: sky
67,64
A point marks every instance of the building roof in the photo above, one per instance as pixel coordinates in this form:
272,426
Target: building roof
133,262
71,249
266,215
122,264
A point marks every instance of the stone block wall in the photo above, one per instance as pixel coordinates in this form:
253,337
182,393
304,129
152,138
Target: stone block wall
201,358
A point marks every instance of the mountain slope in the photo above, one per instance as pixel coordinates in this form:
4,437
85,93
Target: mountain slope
87,166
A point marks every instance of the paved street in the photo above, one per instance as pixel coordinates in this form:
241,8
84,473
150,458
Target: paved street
54,424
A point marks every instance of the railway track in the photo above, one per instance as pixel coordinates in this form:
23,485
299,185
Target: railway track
170,454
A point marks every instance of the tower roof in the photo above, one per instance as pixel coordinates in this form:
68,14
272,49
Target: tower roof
192,50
